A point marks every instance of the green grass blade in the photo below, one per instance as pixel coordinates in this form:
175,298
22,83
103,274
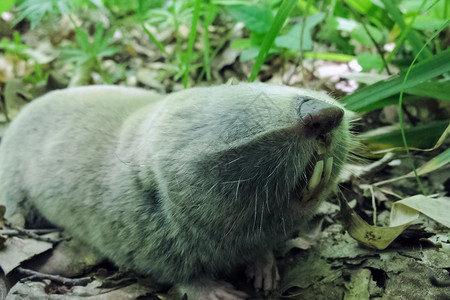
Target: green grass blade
412,36
419,137
400,106
207,52
434,164
432,89
98,36
330,56
423,71
154,40
282,14
191,41
210,12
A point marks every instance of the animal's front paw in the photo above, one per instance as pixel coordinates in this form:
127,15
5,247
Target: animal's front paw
211,290
264,274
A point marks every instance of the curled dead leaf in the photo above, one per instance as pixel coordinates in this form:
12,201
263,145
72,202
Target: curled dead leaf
403,214
2,241
2,215
372,236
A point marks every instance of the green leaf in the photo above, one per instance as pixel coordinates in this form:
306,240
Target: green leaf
291,40
362,6
364,77
64,7
423,23
257,17
108,52
376,237
421,72
82,38
283,13
388,101
435,208
74,55
154,40
329,56
369,61
357,30
230,2
16,47
106,40
210,13
413,37
421,136
241,44
98,37
434,164
432,89
347,25
34,10
5,5
249,53
86,51
360,34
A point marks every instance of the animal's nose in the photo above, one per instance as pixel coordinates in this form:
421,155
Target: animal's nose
317,117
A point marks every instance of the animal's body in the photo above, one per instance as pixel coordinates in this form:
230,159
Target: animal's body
185,187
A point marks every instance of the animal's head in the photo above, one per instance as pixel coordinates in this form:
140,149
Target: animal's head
253,154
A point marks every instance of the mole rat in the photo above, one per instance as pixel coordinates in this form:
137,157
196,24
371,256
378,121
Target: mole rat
186,187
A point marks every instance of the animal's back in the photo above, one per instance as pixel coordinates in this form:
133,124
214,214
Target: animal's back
49,146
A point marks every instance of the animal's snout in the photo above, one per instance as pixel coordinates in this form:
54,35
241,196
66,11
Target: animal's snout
317,118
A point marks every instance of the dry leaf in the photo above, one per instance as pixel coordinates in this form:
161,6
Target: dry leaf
403,214
408,209
2,215
17,250
90,292
372,236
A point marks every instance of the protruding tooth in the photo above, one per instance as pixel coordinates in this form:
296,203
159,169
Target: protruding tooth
328,168
316,175
321,149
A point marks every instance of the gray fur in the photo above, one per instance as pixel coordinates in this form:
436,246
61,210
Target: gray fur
184,186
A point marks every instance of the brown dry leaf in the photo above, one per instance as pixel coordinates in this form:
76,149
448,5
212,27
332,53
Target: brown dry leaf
2,242
2,238
148,78
408,209
407,273
15,97
298,242
2,215
3,286
306,240
308,277
403,214
358,286
43,54
69,259
6,70
91,292
372,236
327,208
17,250
226,58
64,30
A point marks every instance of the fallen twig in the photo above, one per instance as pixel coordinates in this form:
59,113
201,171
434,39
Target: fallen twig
33,275
32,233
